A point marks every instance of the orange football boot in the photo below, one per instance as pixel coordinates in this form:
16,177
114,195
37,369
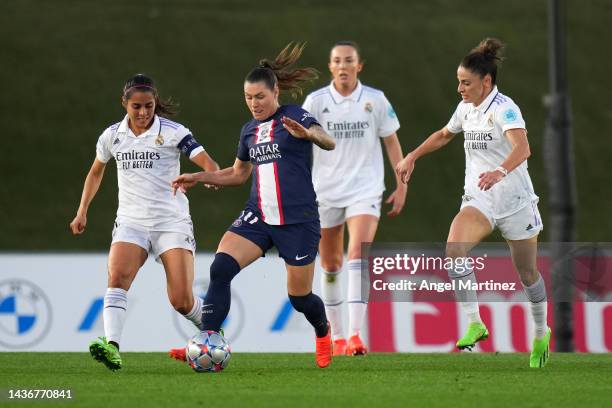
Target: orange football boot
339,347
323,353
179,354
356,347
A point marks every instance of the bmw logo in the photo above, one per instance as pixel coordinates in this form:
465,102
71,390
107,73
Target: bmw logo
233,323
25,314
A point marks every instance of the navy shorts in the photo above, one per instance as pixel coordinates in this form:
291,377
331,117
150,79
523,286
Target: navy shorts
297,244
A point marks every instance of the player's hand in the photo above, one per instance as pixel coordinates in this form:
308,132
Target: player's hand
184,182
405,168
397,199
489,178
77,226
296,130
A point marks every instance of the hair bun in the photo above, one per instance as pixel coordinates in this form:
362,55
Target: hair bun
490,48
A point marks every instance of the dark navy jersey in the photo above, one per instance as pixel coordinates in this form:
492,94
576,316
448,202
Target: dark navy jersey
282,190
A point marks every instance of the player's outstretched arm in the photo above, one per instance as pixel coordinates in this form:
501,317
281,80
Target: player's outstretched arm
90,188
435,141
205,162
236,175
315,133
397,198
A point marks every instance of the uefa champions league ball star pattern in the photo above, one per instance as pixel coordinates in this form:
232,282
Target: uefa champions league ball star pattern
208,351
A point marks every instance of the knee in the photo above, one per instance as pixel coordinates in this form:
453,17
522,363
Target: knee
223,268
118,277
332,264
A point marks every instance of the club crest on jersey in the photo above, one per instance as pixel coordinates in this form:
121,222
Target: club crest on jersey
159,140
368,107
490,120
263,132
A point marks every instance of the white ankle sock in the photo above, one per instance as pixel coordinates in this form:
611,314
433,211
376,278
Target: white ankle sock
331,294
115,308
195,314
466,298
357,298
536,294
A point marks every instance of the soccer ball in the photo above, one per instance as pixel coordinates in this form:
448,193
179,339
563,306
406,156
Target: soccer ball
208,352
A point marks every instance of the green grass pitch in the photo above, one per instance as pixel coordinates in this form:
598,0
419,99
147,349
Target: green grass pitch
288,380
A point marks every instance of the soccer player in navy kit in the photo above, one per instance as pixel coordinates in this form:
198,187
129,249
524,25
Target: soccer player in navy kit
276,148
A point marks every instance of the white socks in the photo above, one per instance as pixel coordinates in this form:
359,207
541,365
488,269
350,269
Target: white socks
357,298
536,294
195,315
466,298
331,294
115,307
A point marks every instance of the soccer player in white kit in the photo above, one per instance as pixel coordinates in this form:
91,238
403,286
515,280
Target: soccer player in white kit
150,218
498,189
349,183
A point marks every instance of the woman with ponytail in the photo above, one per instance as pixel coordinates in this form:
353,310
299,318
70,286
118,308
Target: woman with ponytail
150,220
498,190
275,148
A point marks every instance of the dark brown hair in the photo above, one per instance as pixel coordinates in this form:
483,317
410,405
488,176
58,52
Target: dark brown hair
278,72
143,83
485,58
349,44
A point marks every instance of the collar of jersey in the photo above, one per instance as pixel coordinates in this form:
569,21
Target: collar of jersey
153,130
269,118
354,96
486,104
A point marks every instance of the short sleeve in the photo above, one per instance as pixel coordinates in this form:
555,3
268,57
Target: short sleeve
388,122
243,150
508,116
303,117
103,147
308,105
455,125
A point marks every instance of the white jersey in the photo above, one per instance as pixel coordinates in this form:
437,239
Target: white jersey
487,147
354,170
146,165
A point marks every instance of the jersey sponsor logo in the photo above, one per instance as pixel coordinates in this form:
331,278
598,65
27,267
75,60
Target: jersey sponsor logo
510,116
347,130
116,141
136,160
477,140
325,110
265,153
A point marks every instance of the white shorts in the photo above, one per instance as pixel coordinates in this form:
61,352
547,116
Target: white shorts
158,240
523,224
334,216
